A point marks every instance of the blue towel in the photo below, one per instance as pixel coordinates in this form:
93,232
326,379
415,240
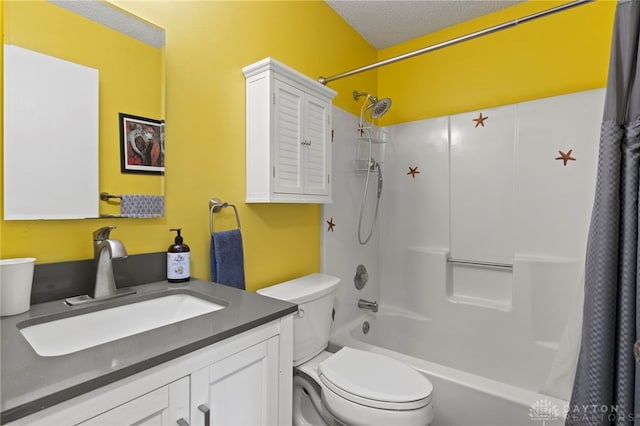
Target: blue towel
227,259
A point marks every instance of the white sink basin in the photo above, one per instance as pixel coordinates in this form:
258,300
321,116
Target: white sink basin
72,334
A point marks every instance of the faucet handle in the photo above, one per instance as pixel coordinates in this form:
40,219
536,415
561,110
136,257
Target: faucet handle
102,233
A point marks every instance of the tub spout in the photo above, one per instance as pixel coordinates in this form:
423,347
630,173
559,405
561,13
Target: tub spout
365,304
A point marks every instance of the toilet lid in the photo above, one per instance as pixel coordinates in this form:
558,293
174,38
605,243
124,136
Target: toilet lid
375,380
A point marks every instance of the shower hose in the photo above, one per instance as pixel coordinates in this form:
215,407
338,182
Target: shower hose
372,165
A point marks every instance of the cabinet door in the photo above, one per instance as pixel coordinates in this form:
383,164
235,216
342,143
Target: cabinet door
289,140
241,389
317,158
163,406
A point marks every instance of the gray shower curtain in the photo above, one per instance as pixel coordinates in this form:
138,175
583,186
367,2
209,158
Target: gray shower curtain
607,384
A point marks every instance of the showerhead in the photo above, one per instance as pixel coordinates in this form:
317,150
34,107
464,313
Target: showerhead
378,107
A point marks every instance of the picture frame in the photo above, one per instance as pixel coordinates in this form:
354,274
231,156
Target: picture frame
141,144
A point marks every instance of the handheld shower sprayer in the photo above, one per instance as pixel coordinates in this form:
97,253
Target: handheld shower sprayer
373,165
377,108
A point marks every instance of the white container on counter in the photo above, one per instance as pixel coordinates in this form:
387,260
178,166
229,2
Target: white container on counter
16,278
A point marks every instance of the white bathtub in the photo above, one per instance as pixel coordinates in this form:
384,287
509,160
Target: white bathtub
460,397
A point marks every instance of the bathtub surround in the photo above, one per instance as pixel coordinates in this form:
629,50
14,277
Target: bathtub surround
493,195
341,251
481,161
608,376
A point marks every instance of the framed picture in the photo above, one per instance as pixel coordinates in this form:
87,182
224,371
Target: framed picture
141,145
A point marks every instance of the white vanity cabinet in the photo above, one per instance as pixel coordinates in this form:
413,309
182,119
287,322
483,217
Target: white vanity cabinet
245,379
238,390
288,135
164,406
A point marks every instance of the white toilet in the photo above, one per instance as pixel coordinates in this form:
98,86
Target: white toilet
350,387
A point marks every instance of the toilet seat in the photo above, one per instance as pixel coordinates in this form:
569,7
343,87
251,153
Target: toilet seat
374,380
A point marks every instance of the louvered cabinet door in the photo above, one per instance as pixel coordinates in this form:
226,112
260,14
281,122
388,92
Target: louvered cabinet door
316,152
289,140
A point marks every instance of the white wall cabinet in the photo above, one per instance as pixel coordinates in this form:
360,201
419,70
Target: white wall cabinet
288,140
246,379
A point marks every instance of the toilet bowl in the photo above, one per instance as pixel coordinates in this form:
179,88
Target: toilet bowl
350,386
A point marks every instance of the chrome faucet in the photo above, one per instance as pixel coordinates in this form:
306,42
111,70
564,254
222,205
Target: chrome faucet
365,304
104,250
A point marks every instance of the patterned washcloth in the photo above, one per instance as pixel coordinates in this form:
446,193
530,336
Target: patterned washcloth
142,206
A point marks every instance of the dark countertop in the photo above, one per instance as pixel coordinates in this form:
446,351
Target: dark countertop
31,383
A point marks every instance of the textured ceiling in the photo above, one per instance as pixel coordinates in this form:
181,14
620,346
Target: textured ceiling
116,19
384,23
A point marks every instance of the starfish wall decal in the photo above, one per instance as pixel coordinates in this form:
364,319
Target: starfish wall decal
413,171
331,225
565,157
480,120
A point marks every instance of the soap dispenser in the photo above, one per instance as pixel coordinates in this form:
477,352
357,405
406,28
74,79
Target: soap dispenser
178,260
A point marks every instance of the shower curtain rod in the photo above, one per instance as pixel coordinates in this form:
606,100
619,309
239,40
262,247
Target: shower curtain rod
325,80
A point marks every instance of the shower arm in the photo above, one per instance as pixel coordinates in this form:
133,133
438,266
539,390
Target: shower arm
357,95
451,42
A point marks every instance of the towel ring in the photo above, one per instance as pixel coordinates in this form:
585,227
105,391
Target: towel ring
215,205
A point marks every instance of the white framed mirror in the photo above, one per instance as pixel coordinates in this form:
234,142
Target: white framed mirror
81,65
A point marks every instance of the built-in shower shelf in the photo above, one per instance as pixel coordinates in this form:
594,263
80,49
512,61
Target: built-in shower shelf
482,284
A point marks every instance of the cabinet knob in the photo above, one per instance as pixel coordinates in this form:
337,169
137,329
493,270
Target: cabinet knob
182,422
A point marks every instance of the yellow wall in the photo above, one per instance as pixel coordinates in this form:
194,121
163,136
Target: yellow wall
553,55
208,42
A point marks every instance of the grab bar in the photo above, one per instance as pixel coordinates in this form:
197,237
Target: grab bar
479,263
215,205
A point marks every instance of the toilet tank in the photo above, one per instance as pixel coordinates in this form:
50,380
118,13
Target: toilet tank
314,294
